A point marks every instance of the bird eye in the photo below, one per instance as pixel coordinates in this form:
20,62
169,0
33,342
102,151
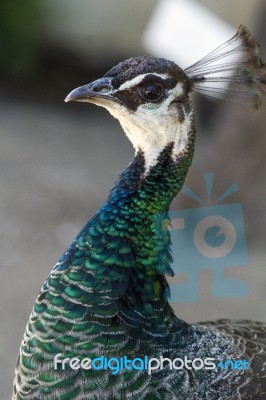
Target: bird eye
151,92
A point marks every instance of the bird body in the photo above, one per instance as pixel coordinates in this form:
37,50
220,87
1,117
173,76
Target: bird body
107,295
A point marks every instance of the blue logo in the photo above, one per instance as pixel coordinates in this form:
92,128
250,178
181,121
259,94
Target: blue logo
210,237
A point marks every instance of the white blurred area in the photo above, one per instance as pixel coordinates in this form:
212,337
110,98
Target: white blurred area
98,31
185,31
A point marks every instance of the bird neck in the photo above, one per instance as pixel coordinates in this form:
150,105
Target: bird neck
133,225
137,207
153,189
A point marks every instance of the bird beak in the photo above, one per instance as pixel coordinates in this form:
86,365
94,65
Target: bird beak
100,89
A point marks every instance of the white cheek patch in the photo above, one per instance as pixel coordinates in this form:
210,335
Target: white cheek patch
185,129
181,136
135,81
177,91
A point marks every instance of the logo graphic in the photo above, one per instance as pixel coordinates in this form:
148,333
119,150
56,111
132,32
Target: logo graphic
209,237
145,363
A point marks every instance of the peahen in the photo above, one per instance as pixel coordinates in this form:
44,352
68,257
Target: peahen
107,294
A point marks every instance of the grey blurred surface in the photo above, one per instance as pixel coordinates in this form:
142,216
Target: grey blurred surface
96,30
57,164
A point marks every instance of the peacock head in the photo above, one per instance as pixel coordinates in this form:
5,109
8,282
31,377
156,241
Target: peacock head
150,98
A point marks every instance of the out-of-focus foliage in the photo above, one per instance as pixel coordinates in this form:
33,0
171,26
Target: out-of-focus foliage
19,36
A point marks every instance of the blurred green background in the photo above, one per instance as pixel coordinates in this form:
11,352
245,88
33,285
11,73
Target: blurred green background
19,36
58,161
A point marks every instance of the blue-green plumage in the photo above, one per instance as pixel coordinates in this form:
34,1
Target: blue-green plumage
107,295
